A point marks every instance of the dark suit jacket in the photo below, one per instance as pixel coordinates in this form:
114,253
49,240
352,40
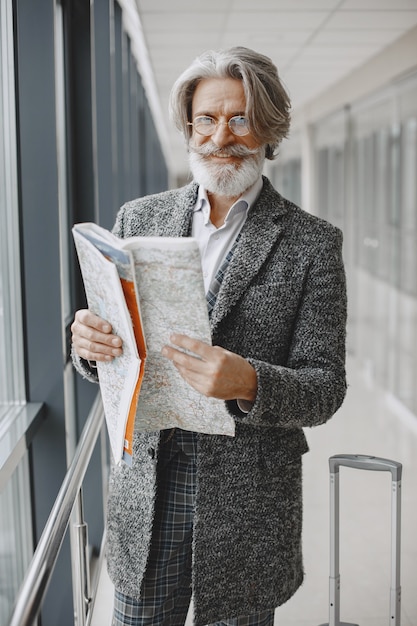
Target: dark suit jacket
282,305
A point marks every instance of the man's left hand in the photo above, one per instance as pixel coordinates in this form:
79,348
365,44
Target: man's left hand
212,370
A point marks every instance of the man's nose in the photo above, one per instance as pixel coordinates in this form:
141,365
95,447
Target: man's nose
222,136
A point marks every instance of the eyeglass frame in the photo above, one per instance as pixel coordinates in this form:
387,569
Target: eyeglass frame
217,123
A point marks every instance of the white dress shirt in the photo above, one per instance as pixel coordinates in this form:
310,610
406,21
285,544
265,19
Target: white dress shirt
215,243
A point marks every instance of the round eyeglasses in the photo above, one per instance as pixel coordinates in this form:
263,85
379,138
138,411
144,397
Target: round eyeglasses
206,125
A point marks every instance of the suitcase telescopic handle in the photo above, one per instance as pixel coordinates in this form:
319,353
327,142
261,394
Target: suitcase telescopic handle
363,461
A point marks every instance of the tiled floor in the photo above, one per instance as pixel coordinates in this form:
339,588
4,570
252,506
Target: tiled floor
368,423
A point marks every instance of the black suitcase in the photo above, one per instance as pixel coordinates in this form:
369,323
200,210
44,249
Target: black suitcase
358,461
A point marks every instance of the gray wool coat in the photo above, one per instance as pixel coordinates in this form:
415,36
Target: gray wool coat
282,305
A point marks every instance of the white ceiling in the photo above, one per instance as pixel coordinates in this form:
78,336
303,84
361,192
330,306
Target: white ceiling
314,43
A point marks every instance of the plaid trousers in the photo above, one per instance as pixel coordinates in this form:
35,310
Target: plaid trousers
166,587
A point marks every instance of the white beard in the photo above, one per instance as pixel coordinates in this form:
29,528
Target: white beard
231,179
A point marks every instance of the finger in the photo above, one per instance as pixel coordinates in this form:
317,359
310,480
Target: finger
87,318
80,332
94,344
93,351
182,359
195,346
89,326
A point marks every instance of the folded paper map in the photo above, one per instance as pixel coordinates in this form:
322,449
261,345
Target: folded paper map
147,288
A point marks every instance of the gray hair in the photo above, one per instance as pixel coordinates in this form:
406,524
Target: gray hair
267,102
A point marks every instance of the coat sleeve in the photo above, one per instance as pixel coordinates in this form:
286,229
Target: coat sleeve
312,385
83,367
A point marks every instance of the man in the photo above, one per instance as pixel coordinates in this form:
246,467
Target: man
220,517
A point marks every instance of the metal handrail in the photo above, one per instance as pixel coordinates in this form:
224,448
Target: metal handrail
40,569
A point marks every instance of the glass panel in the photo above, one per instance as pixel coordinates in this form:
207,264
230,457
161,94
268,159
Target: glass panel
409,211
322,164
406,337
15,522
291,181
285,171
11,353
336,189
15,540
381,192
329,142
407,302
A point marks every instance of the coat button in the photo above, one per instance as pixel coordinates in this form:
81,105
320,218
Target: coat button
151,452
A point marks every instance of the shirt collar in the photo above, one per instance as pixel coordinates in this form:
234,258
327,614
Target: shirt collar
244,203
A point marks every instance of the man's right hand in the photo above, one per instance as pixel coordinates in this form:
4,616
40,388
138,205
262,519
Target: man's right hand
92,337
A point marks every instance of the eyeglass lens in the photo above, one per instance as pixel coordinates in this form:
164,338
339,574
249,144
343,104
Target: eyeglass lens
206,125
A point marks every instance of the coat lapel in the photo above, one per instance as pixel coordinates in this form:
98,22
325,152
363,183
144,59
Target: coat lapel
261,231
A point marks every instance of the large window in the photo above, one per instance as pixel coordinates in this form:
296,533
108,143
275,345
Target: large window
285,171
330,168
11,361
68,78
15,522
366,166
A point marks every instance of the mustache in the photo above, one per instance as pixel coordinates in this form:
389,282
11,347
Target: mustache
210,149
